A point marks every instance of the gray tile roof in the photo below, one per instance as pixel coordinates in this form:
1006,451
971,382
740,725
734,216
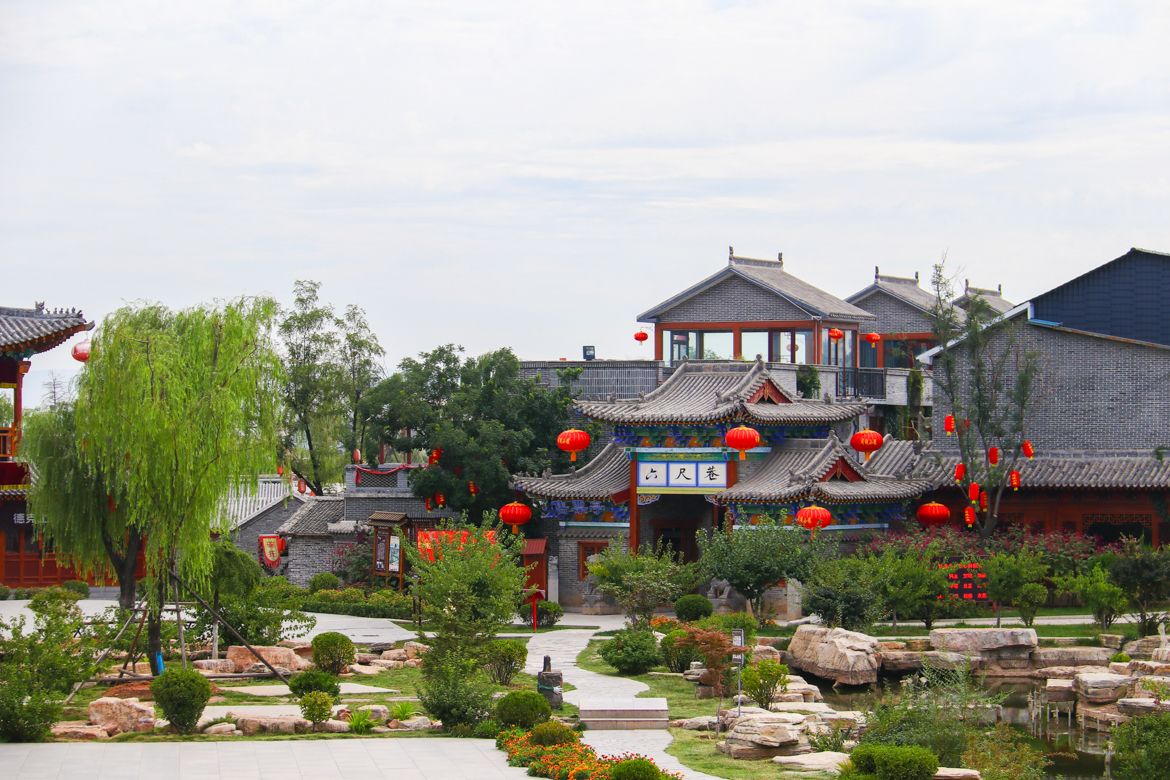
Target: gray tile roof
240,505
315,517
600,478
713,392
38,329
906,290
994,298
792,472
770,275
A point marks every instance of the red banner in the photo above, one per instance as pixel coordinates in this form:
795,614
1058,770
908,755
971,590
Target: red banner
270,551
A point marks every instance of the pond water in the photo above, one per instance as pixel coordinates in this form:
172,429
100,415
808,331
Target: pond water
1022,707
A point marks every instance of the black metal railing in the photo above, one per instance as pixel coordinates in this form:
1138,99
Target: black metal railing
861,382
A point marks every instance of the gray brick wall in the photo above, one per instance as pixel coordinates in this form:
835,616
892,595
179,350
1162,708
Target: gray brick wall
600,378
308,555
247,535
1094,393
572,588
359,506
893,315
734,300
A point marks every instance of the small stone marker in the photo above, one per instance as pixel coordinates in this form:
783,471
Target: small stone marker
550,684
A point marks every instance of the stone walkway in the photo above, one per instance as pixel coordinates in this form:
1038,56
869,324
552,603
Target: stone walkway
339,759
564,647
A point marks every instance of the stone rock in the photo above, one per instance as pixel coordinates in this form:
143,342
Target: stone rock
380,730
416,723
701,723
135,690
1133,707
551,685
918,645
394,655
1117,667
1149,668
381,647
1112,641
304,652
221,729
807,692
1161,654
1142,649
888,645
772,641
945,660
901,660
388,664
365,658
361,669
377,711
1065,672
956,773
78,730
704,692
849,718
277,656
764,653
848,657
331,726
414,663
766,735
694,675
789,697
826,761
1060,690
272,724
217,700
259,668
1071,656
414,649
219,665
127,714
342,714
1101,688
979,640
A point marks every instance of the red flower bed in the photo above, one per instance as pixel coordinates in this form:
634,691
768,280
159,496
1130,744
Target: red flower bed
572,761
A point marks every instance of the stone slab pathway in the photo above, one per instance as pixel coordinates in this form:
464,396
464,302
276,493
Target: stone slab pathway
347,759
564,647
282,690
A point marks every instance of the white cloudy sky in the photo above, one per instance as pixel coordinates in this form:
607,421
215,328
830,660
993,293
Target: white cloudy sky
535,174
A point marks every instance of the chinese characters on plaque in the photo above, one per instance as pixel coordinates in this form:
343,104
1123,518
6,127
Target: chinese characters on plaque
682,474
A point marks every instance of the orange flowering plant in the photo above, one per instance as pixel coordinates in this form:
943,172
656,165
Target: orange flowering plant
566,761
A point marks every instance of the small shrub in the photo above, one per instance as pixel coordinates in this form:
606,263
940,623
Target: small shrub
693,607
635,769
323,581
401,710
77,586
548,614
833,739
1119,658
4,591
488,728
523,709
314,680
1005,754
1143,748
332,652
763,680
889,762
677,658
26,719
503,658
631,652
552,732
317,706
732,620
21,594
360,722
181,694
1031,597
58,602
452,693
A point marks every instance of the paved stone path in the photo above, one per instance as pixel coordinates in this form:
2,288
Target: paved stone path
282,690
347,759
564,647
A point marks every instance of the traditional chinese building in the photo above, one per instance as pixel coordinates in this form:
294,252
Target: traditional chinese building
669,473
28,562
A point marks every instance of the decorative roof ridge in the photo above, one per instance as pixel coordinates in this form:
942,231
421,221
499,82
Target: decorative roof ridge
40,312
597,462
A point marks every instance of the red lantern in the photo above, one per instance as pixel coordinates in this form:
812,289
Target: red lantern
110,505
873,338
301,486
866,441
435,455
814,518
949,424
969,515
1027,448
471,488
515,514
983,500
973,492
573,441
966,424
933,513
440,499
993,455
81,352
280,469
742,438
641,336
357,456
1014,479
960,470
427,504
835,334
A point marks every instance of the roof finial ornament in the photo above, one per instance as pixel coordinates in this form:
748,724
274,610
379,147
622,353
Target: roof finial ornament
759,360
877,272
916,277
966,285
1000,289
40,307
730,252
780,259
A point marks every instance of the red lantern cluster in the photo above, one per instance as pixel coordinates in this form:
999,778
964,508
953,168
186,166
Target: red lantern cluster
960,471
641,336
933,514
515,514
743,439
814,518
993,455
81,351
573,441
440,499
866,441
435,455
1014,479
1028,451
949,424
873,338
427,503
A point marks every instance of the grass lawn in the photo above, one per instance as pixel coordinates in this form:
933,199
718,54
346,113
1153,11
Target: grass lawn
512,629
696,750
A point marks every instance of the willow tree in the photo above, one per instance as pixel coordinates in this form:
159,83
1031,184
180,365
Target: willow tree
173,410
89,525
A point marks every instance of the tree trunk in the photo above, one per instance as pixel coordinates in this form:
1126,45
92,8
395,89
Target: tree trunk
215,630
125,566
998,612
154,630
894,614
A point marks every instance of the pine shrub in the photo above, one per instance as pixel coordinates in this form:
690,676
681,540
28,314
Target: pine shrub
523,709
693,607
635,769
181,694
552,732
332,652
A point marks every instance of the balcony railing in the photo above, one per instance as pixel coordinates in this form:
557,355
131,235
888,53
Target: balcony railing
7,439
861,382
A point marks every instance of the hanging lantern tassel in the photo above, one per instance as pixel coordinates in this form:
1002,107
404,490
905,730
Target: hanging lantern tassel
641,336
866,441
515,514
814,518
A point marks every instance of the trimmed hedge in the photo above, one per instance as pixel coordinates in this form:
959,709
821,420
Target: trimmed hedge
181,694
893,762
693,607
332,652
323,581
388,611
78,587
523,709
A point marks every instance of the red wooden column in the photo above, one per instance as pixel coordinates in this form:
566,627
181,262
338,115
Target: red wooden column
736,343
657,342
635,539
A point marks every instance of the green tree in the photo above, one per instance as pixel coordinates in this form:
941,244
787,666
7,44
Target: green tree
845,593
1006,575
1144,574
86,517
909,583
988,382
359,371
488,422
640,582
756,558
1100,595
468,580
233,573
173,410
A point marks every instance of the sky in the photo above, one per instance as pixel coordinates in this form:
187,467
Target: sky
535,175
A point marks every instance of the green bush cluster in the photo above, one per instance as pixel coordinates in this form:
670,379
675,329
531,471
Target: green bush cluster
522,709
332,652
77,586
384,611
552,732
693,607
677,658
889,762
4,591
635,769
731,620
763,680
503,658
323,581
548,613
631,652
1119,658
181,694
314,680
316,706
339,595
1143,748
453,692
